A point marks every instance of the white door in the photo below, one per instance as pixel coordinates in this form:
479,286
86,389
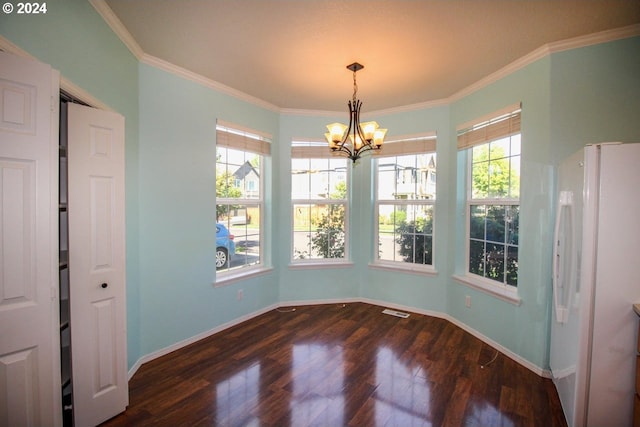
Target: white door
565,323
29,329
95,156
614,324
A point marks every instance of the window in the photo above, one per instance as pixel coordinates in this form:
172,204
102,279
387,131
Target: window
493,197
319,198
240,158
404,205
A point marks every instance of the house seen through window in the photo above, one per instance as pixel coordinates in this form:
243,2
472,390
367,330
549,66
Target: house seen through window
319,199
405,201
239,198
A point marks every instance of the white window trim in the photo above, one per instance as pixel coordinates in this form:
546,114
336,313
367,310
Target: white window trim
261,206
314,263
320,263
233,276
227,276
338,202
420,269
379,264
222,275
500,290
403,265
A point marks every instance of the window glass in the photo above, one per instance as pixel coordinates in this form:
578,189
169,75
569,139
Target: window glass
493,210
238,209
319,194
405,196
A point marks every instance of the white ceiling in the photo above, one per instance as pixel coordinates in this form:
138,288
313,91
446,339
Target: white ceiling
293,53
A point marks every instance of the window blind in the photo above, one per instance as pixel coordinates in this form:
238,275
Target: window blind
503,123
311,150
425,143
235,137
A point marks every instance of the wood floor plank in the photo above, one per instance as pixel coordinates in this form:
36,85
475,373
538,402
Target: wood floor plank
339,365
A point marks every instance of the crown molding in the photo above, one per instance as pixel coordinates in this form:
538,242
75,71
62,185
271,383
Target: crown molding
205,81
65,84
595,38
546,50
8,46
411,107
125,36
117,26
577,42
82,95
312,113
377,113
501,73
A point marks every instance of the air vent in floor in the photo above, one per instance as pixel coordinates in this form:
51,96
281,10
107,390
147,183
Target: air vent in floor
395,313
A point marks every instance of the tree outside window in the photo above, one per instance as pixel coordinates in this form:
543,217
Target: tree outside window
406,191
493,210
319,193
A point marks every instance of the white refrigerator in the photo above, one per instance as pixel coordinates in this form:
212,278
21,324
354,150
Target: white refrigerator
596,281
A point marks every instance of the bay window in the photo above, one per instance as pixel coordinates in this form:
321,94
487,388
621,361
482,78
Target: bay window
319,203
240,155
492,147
405,203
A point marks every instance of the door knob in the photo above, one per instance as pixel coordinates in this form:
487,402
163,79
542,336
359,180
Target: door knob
104,286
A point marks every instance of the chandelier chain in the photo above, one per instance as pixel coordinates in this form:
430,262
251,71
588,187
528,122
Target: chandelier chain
355,87
356,138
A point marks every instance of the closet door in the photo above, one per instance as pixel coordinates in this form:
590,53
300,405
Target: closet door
29,340
97,263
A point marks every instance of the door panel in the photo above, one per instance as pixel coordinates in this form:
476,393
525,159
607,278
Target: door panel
18,217
18,372
97,263
29,340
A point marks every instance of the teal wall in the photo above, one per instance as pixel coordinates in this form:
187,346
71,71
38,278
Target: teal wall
75,40
568,99
177,210
523,329
595,96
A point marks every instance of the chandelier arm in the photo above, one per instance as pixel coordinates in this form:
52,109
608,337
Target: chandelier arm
357,130
358,144
343,144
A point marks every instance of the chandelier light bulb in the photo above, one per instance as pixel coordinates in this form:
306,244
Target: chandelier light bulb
356,138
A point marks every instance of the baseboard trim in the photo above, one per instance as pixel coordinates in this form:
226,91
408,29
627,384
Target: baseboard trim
545,373
180,344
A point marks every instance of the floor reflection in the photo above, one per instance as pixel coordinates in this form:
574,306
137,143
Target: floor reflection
315,387
402,397
318,385
484,414
237,397
339,366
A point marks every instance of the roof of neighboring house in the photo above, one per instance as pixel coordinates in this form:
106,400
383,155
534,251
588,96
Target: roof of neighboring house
245,170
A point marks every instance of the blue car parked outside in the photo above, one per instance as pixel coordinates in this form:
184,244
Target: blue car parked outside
225,246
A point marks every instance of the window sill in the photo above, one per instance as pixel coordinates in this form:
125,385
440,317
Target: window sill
225,279
405,267
502,292
319,264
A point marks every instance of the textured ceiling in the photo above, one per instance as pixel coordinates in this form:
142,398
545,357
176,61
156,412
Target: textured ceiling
293,53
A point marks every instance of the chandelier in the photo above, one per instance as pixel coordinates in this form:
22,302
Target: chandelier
356,138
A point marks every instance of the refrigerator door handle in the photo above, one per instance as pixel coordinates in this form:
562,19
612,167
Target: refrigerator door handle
563,254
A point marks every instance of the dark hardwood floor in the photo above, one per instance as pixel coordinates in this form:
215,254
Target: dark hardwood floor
339,365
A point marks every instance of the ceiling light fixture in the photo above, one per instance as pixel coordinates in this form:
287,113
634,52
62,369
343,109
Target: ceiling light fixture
357,138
